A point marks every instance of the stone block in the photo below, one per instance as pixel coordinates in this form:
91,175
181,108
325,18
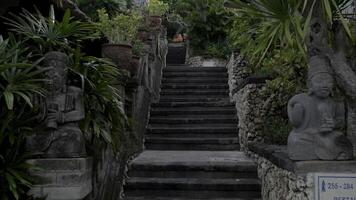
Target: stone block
62,178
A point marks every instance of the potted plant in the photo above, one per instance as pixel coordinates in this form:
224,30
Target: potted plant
156,9
120,30
137,47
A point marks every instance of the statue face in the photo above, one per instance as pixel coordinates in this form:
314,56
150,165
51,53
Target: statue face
57,75
322,85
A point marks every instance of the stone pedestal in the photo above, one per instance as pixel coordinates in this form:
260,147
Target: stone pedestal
62,178
283,178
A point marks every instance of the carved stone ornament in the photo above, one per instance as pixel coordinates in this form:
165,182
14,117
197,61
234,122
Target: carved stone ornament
62,137
318,120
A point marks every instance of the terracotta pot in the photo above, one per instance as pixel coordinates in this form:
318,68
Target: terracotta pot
135,62
155,22
120,54
143,35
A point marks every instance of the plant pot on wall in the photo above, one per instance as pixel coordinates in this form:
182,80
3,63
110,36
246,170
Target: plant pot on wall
155,22
120,54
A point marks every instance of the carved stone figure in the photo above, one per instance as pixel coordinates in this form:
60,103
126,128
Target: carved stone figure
317,119
62,137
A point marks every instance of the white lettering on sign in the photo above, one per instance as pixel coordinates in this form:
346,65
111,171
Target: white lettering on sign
335,186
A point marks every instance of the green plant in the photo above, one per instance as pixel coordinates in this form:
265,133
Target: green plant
20,80
157,8
47,33
105,117
120,28
207,21
286,22
113,7
137,47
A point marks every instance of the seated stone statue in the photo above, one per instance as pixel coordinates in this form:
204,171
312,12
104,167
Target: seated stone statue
62,137
317,119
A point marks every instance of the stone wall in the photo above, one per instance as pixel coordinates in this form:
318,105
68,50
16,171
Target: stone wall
249,101
279,183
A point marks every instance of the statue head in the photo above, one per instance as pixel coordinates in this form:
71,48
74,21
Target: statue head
320,77
57,74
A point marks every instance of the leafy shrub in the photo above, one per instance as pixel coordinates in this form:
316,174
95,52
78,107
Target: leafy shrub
121,28
20,81
113,7
157,8
208,22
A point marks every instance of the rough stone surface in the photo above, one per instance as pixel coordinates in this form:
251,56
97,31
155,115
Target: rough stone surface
200,61
238,72
249,106
283,178
248,99
278,183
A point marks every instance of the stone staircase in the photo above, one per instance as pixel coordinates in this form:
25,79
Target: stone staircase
192,143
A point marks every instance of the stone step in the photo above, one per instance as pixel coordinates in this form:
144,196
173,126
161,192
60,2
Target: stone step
192,104
192,98
195,74
194,86
191,187
191,130
206,143
194,92
192,126
202,120
194,80
207,161
191,169
172,198
192,111
187,68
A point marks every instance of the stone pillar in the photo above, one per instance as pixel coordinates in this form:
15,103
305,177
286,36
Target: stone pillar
62,178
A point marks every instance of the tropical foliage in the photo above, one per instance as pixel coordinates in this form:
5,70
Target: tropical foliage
272,35
157,8
121,28
20,81
48,34
22,85
207,22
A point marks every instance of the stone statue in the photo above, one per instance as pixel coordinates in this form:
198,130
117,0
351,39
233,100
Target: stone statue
62,137
318,119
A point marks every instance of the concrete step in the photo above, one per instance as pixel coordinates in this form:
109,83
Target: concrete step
172,198
206,143
191,187
193,99
182,130
187,68
194,92
192,111
202,120
192,126
193,104
194,86
199,80
195,74
193,164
